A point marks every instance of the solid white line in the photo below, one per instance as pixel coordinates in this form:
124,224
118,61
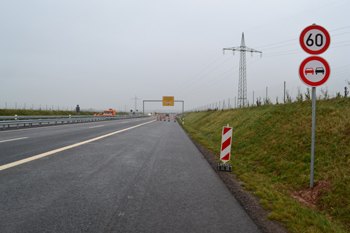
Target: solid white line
14,139
96,126
6,166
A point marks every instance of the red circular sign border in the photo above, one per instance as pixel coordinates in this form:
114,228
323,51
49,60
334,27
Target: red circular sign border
304,79
325,32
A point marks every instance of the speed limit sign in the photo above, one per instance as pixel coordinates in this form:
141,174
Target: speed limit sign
314,39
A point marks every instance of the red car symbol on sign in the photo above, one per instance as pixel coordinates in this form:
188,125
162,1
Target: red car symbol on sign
309,71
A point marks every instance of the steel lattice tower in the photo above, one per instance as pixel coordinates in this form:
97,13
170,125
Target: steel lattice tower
242,82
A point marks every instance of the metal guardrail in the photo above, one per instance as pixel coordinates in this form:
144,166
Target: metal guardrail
40,120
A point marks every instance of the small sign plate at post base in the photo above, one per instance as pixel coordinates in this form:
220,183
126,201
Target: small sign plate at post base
224,167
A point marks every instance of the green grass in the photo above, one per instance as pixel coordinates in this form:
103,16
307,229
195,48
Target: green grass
271,148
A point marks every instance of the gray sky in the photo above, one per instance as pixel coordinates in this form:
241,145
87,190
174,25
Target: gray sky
101,54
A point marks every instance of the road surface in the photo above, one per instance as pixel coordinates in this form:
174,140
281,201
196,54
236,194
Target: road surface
136,175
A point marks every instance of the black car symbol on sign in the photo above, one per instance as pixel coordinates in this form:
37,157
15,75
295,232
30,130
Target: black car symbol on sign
319,70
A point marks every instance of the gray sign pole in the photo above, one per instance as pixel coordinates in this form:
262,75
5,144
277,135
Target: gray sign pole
313,136
314,45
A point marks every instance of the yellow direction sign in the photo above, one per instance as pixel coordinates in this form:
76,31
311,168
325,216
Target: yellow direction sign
168,100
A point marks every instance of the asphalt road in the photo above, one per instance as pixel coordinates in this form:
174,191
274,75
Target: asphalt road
136,175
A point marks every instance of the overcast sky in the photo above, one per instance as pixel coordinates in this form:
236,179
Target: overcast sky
101,54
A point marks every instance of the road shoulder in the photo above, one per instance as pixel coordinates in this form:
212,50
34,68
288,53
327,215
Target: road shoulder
248,201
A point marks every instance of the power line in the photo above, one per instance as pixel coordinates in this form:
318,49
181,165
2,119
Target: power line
193,77
218,79
339,28
296,39
292,16
288,52
281,46
276,43
205,74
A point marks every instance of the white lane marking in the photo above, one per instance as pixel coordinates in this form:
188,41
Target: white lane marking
97,126
35,157
16,130
121,214
14,139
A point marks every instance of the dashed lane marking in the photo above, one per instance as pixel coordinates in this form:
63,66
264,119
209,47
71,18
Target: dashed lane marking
121,214
9,165
14,139
97,126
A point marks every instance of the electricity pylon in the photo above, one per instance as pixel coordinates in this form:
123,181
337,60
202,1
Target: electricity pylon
135,103
242,82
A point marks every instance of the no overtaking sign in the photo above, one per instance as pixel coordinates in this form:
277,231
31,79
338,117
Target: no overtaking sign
314,71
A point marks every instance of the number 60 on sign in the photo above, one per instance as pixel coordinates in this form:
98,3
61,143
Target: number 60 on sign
314,39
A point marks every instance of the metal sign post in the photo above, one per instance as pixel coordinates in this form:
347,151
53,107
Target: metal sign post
313,132
314,71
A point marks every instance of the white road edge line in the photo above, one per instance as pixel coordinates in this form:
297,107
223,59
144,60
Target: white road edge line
14,139
35,157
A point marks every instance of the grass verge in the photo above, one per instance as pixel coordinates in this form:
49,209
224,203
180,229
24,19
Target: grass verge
271,147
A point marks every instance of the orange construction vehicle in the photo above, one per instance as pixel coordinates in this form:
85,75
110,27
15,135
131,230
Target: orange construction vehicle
109,112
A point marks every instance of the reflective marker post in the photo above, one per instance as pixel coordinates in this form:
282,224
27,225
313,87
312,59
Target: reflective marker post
225,152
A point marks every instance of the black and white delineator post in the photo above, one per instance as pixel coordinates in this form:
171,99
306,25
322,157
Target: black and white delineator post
314,71
225,153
